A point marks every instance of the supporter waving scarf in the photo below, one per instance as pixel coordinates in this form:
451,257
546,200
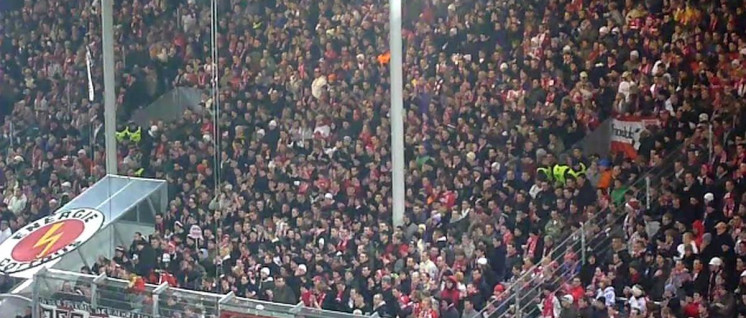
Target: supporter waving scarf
551,306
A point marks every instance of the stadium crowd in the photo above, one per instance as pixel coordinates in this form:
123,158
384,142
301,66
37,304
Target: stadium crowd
496,95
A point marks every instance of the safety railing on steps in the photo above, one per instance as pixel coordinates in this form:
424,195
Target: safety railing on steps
523,294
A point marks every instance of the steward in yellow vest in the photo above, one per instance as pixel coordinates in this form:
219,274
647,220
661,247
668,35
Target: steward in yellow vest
577,170
559,172
131,132
546,172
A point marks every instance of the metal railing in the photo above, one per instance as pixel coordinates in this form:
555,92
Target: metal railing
523,294
55,291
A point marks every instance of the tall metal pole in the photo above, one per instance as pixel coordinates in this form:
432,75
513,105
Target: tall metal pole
710,141
110,108
517,305
582,243
397,112
647,192
215,86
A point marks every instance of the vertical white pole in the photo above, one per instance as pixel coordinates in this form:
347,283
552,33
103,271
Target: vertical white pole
397,112
110,109
710,140
647,192
582,243
518,311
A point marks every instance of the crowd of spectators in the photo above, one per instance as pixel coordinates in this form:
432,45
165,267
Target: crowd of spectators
493,91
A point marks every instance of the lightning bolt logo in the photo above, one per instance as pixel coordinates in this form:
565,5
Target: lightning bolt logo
49,239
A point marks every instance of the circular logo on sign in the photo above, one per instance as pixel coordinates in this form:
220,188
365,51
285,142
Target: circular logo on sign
48,238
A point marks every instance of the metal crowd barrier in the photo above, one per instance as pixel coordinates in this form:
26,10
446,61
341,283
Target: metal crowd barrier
68,294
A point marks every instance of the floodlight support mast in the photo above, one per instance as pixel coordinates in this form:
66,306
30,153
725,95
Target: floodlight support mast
396,112
110,108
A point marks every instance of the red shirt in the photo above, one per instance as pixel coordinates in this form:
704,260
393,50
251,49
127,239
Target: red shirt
448,199
451,294
137,284
169,279
691,310
306,297
577,292
548,310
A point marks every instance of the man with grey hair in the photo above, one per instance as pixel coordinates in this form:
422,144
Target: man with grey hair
706,250
387,292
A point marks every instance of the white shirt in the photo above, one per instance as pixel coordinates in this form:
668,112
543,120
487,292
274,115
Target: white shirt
534,191
429,267
681,248
609,294
17,204
658,66
5,234
624,89
639,303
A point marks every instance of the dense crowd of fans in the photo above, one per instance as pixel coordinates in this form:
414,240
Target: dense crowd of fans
496,94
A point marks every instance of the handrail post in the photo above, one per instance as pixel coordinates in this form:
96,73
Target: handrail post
517,301
156,298
710,141
223,300
35,293
297,308
582,243
100,279
647,192
228,297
